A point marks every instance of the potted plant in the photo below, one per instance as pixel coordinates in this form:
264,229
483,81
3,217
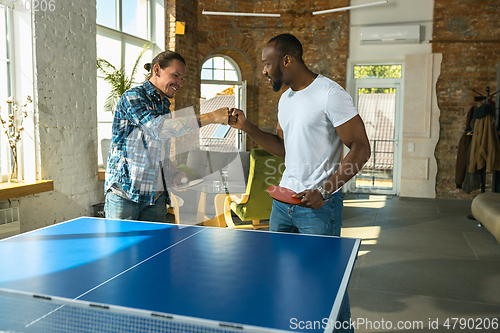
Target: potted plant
117,79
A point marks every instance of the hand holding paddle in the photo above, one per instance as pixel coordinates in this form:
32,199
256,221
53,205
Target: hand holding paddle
307,198
310,199
178,177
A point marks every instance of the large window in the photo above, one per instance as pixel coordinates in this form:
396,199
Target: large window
5,91
123,28
221,86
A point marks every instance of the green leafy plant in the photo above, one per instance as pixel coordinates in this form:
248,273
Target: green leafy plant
118,79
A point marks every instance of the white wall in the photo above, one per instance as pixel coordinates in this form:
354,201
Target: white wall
66,136
403,12
395,12
421,126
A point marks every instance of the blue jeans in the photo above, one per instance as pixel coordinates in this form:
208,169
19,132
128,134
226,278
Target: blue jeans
116,207
326,220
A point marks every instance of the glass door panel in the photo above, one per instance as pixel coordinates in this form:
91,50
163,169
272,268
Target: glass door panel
377,106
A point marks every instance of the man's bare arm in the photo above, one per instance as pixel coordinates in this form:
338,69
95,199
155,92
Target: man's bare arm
353,135
273,143
219,116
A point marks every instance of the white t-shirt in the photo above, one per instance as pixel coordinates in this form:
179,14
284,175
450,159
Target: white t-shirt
308,118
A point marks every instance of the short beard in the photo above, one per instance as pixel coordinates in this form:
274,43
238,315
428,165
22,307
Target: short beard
279,80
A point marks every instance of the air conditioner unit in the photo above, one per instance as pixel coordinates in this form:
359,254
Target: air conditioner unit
386,34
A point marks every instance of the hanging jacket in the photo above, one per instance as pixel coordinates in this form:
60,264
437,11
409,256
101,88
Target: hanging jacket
463,151
485,146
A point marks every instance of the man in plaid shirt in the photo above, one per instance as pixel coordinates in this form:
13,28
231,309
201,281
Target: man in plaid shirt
142,127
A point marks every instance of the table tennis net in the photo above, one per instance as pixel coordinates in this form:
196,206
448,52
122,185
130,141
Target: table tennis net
22,312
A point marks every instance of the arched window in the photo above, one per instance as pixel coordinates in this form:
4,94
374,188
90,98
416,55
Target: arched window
220,69
221,86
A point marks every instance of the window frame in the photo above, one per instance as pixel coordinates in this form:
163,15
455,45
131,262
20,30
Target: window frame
125,38
5,152
353,84
222,82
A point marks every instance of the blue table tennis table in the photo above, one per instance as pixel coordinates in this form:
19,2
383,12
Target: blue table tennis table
102,275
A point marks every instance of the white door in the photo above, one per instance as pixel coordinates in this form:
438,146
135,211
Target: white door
378,104
241,103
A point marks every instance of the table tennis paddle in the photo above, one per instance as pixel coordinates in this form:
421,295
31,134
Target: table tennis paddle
283,194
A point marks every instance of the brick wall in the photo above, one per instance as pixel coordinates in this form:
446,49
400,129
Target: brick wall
466,66
65,74
325,39
186,45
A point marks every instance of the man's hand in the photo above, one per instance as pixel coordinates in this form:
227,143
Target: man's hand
178,180
237,118
220,116
310,199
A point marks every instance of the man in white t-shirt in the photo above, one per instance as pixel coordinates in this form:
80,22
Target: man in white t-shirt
316,117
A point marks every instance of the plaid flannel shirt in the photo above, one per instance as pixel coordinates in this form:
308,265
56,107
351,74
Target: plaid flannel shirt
142,127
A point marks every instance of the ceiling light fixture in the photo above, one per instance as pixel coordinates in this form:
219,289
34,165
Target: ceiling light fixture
348,8
240,14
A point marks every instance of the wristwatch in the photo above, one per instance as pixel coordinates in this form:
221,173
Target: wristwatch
324,193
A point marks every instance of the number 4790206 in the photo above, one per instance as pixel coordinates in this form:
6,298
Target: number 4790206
471,323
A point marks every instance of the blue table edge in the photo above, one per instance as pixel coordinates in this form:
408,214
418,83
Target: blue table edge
343,286
122,310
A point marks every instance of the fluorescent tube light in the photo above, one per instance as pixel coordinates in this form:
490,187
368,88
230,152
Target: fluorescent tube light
240,14
350,7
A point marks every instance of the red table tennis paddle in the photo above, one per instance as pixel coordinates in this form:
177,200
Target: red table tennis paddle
283,194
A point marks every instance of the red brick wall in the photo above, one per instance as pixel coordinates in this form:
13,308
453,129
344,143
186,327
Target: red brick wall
325,39
466,66
187,46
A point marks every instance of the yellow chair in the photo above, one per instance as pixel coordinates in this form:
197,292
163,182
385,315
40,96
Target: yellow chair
176,202
255,204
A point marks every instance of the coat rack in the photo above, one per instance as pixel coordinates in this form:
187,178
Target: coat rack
486,100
